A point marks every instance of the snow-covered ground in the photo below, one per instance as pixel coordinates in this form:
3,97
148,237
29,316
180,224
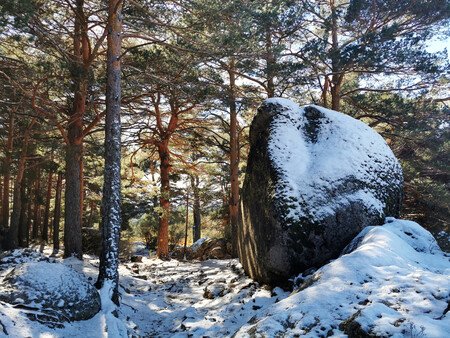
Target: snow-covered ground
393,281
160,299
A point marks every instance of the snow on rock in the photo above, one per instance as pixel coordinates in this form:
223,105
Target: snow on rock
392,281
55,290
198,243
314,179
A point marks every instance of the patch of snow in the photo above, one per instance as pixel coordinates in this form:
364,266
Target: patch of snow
114,327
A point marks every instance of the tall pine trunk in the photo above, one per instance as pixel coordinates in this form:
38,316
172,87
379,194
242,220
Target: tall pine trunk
74,149
37,205
48,198
195,182
111,201
29,224
72,207
92,209
186,225
337,76
234,160
23,220
57,213
164,200
270,64
7,173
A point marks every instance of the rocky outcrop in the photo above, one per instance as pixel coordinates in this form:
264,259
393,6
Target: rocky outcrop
51,289
314,179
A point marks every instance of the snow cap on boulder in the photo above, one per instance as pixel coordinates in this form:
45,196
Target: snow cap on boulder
315,177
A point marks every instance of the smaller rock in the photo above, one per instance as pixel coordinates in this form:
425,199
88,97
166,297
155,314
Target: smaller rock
135,268
55,289
215,291
180,253
136,259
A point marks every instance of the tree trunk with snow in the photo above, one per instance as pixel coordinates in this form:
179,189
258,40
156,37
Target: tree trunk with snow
111,210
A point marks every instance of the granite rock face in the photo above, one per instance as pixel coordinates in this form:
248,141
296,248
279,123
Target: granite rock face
314,179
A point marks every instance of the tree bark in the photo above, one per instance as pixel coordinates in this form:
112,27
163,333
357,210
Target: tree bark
47,207
74,148
90,220
72,215
270,64
234,161
57,213
1,210
186,228
111,202
336,77
37,205
29,217
164,200
196,208
23,220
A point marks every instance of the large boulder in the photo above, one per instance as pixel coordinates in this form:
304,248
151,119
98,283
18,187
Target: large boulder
314,179
203,249
53,289
211,248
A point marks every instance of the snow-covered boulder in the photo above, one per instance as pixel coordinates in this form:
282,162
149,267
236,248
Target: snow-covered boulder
53,289
393,281
314,179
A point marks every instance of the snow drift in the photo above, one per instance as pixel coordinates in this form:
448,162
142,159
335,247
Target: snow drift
392,280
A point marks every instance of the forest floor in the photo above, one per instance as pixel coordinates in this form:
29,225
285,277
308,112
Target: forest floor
391,281
160,299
